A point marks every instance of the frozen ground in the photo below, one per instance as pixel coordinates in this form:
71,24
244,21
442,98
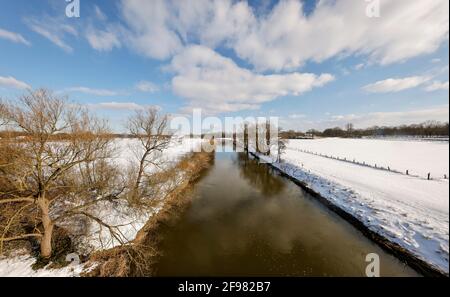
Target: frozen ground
21,265
408,210
128,220
420,157
125,153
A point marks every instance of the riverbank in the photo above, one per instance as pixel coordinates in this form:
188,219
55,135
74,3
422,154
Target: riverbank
335,199
140,256
85,240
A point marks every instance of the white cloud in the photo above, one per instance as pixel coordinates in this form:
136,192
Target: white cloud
14,37
359,66
54,29
146,87
217,84
297,116
396,84
90,91
394,118
99,13
149,34
103,40
437,86
11,82
285,37
116,106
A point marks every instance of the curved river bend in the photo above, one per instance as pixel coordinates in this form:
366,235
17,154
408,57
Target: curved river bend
245,220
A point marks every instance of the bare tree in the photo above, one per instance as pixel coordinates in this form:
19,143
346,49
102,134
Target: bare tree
149,126
350,128
48,177
3,119
281,147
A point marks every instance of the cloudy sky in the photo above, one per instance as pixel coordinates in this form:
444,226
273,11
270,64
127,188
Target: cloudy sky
313,63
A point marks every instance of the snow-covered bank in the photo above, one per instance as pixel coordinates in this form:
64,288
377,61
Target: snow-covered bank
127,220
409,211
21,266
126,151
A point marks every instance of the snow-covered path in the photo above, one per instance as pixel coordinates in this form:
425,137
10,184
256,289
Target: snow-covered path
410,211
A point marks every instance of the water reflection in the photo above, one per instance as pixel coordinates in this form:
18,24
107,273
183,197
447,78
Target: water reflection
245,220
258,175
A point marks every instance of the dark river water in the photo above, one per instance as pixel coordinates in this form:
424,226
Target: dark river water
245,220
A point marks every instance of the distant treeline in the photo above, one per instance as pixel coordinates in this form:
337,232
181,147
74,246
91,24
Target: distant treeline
427,129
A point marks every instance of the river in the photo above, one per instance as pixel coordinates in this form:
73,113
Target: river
246,220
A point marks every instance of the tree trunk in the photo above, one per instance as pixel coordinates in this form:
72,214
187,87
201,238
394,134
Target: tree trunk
246,138
257,138
46,240
141,172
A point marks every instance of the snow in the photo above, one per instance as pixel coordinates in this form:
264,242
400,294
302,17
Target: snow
410,211
126,151
128,220
21,266
420,157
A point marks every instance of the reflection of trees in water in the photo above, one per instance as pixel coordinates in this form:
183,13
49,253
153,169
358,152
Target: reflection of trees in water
259,175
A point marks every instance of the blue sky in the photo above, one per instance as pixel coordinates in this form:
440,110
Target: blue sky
313,64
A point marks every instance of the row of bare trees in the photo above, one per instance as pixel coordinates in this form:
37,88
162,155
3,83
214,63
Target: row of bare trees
263,139
61,165
425,129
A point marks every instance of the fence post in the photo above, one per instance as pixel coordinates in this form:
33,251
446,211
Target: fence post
429,175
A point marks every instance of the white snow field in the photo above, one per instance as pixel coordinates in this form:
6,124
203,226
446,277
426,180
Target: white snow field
127,219
21,266
419,157
409,210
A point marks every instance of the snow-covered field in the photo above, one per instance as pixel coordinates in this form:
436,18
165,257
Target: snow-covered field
408,210
21,266
128,220
125,151
419,157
